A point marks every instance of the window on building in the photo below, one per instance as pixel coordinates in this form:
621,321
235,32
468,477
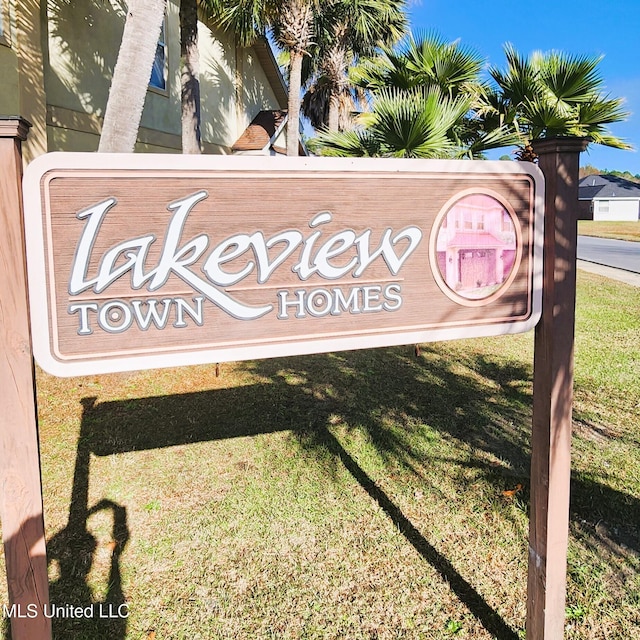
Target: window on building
603,206
159,70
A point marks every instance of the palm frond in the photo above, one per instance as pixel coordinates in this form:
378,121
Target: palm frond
247,19
601,111
345,144
493,138
599,136
546,120
520,80
572,79
554,94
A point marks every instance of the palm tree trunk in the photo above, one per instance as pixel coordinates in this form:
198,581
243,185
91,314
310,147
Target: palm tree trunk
336,68
190,82
131,76
334,111
295,85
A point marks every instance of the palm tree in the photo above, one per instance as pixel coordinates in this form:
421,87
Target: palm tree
427,101
347,31
131,76
292,25
555,94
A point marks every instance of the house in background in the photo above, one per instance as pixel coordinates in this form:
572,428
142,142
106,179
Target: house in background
608,197
57,59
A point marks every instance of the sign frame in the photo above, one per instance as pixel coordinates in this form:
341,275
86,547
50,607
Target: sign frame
38,260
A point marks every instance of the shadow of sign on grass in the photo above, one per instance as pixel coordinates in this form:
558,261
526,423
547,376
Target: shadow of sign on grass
482,403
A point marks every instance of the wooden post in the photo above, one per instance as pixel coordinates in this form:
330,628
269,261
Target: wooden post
20,483
553,392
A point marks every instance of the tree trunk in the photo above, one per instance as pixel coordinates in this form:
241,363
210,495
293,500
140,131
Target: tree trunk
131,76
336,70
295,82
189,77
334,110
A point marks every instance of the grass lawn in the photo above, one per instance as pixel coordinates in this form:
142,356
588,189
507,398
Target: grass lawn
361,495
614,230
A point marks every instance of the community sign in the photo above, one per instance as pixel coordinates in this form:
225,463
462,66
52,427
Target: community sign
142,261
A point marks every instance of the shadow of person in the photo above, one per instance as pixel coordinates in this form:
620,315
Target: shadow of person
74,551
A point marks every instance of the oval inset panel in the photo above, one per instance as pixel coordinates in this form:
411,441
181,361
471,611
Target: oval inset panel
476,247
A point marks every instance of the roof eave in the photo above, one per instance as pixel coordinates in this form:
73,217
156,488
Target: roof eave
268,61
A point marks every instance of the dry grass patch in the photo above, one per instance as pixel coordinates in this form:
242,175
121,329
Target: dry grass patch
613,230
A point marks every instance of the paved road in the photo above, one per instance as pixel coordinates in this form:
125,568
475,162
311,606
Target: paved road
620,254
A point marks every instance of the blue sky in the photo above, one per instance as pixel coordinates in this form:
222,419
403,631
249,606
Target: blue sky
610,28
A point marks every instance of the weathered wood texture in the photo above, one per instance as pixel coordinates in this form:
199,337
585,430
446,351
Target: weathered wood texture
553,393
20,488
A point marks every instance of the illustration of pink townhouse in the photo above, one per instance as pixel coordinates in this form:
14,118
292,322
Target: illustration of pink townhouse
476,246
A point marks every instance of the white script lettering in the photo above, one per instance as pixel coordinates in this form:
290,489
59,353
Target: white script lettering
227,263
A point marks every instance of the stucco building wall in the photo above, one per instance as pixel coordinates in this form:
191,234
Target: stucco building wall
57,74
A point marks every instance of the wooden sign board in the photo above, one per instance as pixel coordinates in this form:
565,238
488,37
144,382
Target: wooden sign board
142,261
